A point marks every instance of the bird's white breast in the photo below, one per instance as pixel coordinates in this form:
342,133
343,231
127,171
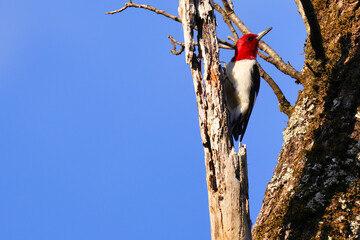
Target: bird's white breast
240,75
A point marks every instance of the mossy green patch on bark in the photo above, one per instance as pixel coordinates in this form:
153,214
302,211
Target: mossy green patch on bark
321,142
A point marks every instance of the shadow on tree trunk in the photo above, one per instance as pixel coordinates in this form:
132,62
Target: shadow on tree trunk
330,167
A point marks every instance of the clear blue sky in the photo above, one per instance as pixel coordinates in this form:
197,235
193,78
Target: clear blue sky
99,135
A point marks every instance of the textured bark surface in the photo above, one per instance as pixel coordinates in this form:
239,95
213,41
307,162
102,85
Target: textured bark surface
315,190
226,170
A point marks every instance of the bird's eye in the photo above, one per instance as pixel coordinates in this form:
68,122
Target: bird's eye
249,39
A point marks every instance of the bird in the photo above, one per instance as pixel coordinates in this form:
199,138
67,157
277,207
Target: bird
243,82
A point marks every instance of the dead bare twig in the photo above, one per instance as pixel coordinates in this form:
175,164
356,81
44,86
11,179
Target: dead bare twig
266,58
232,39
173,50
227,45
182,45
231,4
227,21
148,7
284,104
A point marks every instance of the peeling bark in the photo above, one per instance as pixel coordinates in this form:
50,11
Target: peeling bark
226,170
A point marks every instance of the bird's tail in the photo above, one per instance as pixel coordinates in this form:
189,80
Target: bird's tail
237,128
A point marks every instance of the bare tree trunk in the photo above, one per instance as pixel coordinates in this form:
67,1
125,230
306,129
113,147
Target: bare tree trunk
315,190
226,170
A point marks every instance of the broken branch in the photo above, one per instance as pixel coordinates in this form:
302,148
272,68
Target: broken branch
229,45
231,38
173,50
182,45
148,7
284,104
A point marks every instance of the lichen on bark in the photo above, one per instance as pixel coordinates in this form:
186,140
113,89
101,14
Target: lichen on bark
319,162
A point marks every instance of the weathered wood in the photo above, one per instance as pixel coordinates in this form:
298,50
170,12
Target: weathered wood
226,170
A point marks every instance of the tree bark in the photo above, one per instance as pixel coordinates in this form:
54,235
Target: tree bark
226,170
315,190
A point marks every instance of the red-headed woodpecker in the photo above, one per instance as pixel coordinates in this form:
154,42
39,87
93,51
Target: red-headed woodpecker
244,81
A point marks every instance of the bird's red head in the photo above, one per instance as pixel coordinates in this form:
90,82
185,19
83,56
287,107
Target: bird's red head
247,46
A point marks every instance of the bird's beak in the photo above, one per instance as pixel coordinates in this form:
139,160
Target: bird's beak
263,33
